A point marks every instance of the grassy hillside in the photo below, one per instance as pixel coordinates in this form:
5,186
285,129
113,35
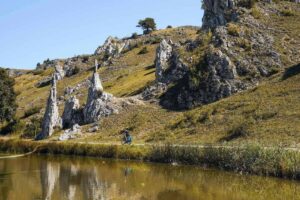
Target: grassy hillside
268,114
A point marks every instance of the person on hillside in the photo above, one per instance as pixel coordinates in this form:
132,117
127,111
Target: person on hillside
127,139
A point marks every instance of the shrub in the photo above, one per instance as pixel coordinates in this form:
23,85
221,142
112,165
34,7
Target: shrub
169,26
134,36
31,111
143,51
37,72
233,29
15,126
287,12
85,59
8,104
255,12
245,44
238,131
247,3
33,128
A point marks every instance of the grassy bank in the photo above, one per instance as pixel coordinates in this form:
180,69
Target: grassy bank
249,159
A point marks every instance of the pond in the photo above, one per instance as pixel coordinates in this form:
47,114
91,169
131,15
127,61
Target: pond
62,177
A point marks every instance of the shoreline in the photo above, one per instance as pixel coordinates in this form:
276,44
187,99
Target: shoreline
248,159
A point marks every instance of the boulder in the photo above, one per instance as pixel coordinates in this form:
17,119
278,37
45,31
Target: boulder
51,117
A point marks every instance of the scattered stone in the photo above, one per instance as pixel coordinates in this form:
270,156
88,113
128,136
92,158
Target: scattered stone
70,133
94,128
51,117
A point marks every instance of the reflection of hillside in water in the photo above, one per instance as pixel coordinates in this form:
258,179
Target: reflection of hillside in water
87,178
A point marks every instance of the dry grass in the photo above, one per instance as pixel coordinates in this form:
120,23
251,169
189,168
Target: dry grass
268,114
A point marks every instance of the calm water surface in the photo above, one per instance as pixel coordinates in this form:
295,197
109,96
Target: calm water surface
48,177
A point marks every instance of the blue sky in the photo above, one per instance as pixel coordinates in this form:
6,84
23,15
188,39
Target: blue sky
34,30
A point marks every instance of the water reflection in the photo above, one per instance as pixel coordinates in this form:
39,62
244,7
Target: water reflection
41,177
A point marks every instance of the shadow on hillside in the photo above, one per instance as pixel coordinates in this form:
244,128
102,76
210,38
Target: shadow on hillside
169,100
291,71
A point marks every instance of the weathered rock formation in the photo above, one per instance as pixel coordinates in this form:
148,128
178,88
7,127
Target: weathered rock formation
169,66
51,116
169,69
112,47
72,113
218,13
59,72
162,60
99,104
237,57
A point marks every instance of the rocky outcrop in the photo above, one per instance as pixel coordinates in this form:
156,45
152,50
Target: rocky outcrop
72,113
218,13
112,47
99,104
169,66
51,117
237,57
59,72
162,60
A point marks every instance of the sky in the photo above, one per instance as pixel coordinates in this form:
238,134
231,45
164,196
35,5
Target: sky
33,30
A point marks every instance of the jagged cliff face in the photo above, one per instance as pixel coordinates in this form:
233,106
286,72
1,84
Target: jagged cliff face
238,56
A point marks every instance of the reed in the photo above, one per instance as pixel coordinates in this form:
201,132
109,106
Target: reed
248,159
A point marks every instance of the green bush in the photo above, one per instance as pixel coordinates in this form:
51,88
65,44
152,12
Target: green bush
233,29
8,104
33,128
14,127
287,12
143,51
134,36
255,12
247,3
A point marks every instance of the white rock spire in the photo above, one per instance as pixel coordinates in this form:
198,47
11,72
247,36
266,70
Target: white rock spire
51,116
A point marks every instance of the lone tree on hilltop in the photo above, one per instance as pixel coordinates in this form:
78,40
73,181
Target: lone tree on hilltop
148,25
8,104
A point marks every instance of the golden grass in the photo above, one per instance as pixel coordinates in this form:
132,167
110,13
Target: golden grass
268,114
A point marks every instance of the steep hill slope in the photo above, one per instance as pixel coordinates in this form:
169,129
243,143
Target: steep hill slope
268,113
